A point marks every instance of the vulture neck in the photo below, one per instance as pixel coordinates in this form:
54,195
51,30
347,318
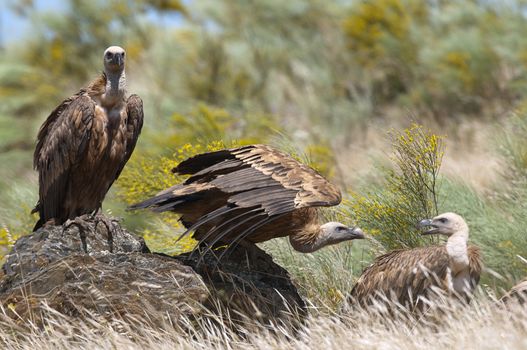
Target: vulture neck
115,87
310,239
456,247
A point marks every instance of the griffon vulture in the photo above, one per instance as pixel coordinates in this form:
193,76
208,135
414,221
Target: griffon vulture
252,194
407,276
84,144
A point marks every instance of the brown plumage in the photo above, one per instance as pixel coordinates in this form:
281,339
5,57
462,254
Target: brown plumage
84,144
253,193
407,276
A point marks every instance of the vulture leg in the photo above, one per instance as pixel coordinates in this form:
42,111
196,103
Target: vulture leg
97,217
107,222
80,224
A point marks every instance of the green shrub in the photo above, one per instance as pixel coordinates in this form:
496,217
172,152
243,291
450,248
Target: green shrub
390,210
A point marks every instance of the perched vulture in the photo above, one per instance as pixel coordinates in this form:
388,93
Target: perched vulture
408,276
252,194
84,144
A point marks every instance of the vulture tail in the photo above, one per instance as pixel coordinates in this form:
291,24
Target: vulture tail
165,202
38,225
40,222
151,202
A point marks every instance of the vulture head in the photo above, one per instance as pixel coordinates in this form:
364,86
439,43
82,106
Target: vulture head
445,224
335,232
114,58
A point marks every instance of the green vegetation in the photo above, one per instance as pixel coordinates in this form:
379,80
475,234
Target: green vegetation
409,192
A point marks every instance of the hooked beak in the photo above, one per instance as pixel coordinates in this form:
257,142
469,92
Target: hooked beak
428,223
117,60
356,233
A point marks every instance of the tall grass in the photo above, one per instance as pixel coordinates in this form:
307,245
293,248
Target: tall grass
326,276
497,227
482,325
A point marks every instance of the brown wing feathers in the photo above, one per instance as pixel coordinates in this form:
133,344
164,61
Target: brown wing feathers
475,264
237,191
403,275
134,124
62,140
203,161
48,126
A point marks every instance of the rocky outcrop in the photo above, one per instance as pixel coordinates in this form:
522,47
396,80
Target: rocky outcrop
94,266
86,268
246,284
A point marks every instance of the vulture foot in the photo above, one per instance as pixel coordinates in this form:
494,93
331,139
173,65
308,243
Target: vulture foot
107,222
80,224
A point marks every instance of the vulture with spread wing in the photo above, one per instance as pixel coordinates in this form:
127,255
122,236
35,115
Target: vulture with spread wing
407,276
84,144
252,194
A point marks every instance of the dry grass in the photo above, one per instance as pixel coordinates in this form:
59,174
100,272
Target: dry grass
471,154
482,325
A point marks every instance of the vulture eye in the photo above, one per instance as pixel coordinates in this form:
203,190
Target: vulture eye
442,220
123,54
341,228
108,55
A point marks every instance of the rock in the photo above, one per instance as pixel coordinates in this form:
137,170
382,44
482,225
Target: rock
85,268
94,266
247,284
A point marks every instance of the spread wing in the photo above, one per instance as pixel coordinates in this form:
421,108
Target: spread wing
134,124
61,142
258,166
240,190
402,276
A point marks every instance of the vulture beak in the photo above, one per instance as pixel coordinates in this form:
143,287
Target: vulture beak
356,233
428,223
117,59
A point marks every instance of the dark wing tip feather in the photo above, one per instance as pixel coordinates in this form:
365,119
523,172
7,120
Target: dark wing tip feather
202,161
199,162
151,202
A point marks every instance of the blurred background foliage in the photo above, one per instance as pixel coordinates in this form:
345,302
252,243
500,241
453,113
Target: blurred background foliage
324,80
408,193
